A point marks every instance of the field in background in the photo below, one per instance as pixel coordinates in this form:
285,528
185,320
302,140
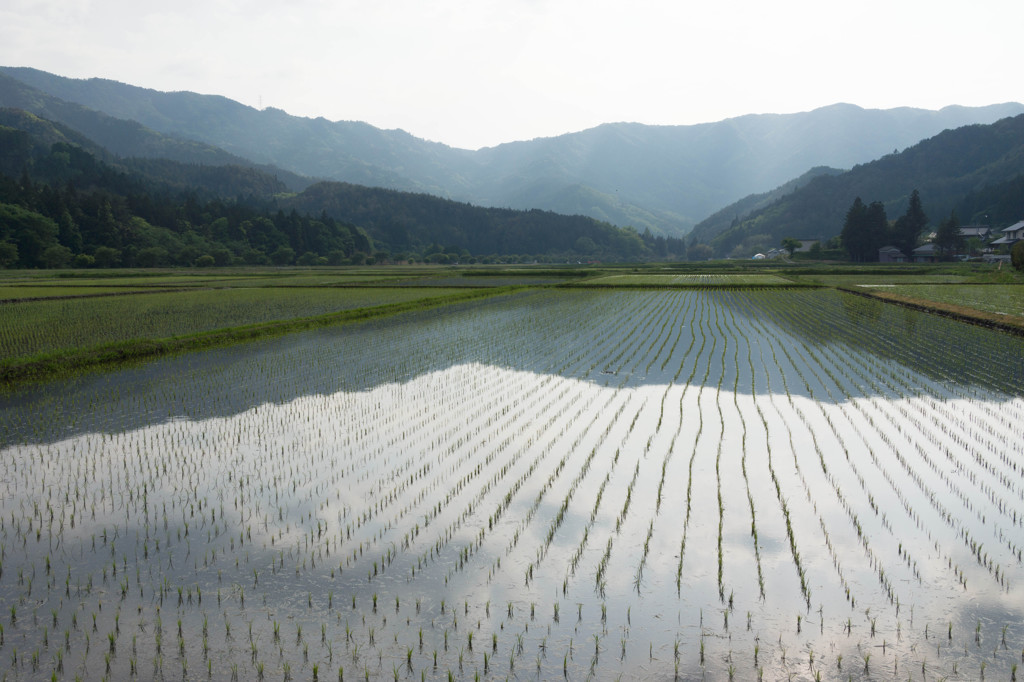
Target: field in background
1007,299
125,315
689,280
51,325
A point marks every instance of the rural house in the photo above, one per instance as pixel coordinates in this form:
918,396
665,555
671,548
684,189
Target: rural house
890,254
982,232
926,253
1011,235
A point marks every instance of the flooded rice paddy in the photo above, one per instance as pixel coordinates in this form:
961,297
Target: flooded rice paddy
687,484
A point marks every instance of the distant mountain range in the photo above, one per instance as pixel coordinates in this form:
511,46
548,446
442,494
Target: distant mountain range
67,200
662,178
977,171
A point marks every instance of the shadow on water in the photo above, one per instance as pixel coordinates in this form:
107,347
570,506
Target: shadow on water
567,333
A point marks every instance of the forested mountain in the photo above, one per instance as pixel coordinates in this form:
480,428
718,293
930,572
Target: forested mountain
29,138
404,221
123,137
662,178
731,215
976,170
346,150
65,200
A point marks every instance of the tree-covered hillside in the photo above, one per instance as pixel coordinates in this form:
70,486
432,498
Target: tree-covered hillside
65,200
972,169
104,135
68,208
402,221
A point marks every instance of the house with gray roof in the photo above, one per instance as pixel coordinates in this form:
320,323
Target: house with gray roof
890,254
1011,235
926,253
982,232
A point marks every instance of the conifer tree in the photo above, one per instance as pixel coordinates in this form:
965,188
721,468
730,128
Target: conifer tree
947,238
910,225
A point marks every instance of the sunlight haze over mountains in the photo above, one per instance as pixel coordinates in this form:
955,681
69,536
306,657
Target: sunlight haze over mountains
483,73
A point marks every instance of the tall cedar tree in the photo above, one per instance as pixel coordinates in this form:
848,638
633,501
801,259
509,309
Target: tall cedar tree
947,238
865,230
910,225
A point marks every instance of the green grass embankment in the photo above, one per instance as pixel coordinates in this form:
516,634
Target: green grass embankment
69,361
692,286
1006,323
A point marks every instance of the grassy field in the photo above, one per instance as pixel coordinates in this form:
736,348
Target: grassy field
999,299
43,326
91,309
22,293
217,279
689,280
869,279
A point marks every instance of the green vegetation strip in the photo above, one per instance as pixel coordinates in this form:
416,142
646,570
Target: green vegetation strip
1006,323
690,281
52,325
854,280
706,286
28,294
1001,299
64,362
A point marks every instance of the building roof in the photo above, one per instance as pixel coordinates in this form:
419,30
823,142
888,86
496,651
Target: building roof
925,249
1013,228
975,231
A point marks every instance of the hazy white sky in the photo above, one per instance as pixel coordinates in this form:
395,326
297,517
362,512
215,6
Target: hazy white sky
474,73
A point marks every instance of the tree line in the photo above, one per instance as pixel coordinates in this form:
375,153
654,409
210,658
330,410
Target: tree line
867,229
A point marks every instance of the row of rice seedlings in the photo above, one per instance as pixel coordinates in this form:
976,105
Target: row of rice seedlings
718,454
555,474
862,537
697,439
926,434
386,486
952,519
544,450
742,336
829,475
559,517
902,551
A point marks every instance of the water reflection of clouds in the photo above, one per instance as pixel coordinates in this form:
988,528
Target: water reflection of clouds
745,339
299,465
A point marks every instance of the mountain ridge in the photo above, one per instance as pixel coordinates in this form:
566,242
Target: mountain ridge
663,178
961,169
64,199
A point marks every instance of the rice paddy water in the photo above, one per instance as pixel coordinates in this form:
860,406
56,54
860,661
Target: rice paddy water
690,483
